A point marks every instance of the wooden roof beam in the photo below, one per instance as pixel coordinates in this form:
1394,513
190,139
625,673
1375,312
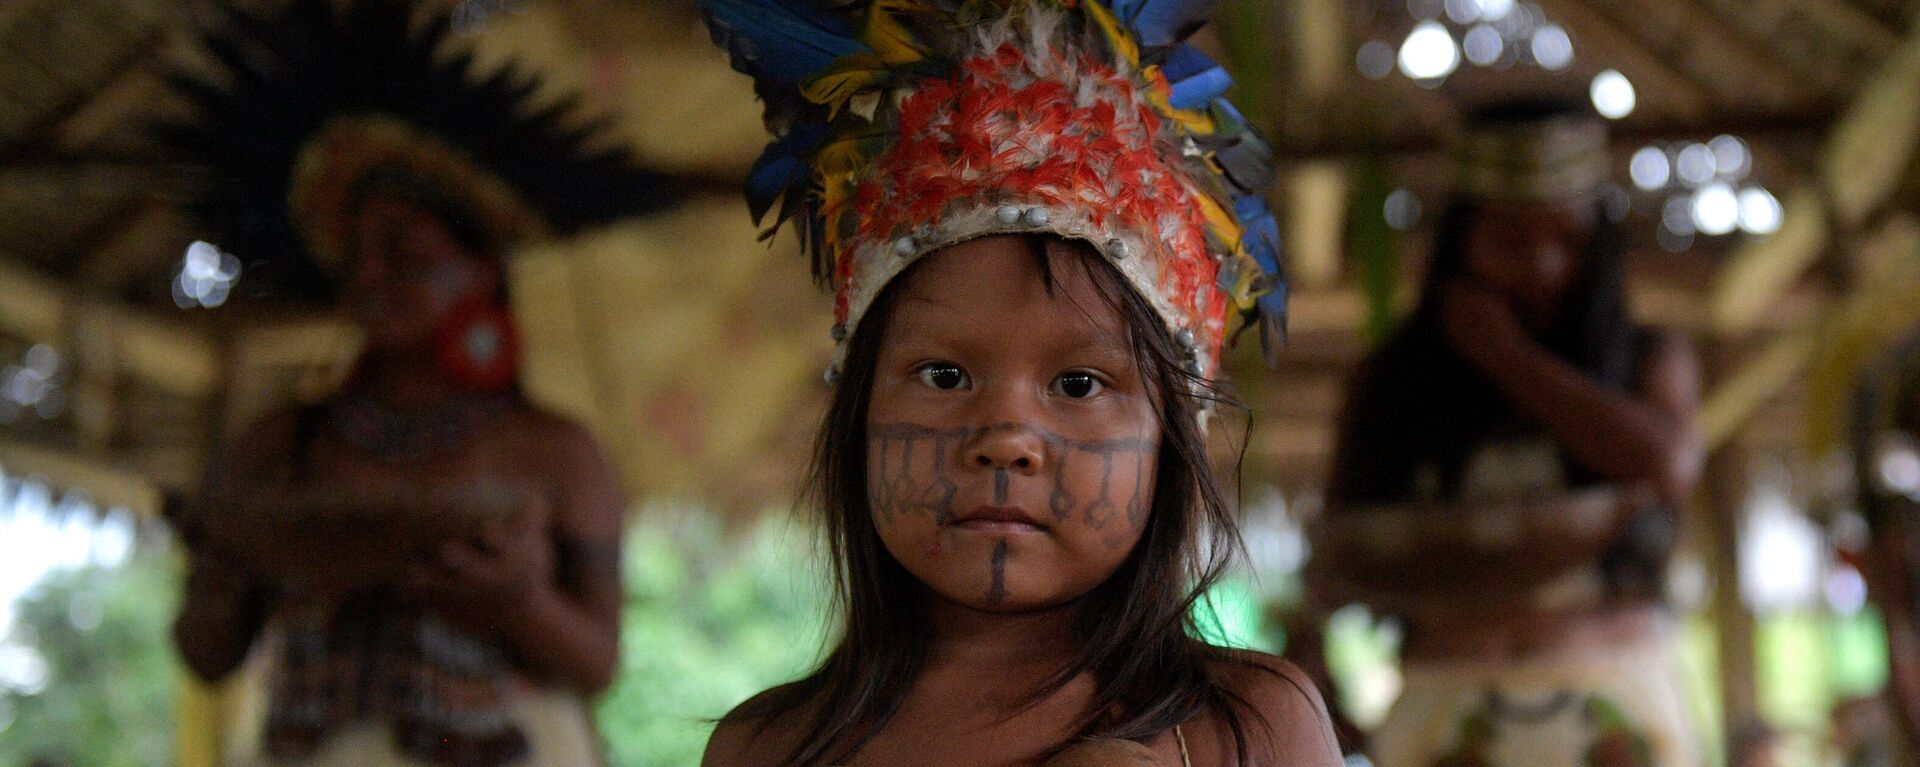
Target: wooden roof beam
108,486
1837,52
78,47
1644,66
1850,21
169,355
1809,123
1749,58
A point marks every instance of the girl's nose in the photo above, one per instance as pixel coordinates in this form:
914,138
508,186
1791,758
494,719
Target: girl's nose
1014,447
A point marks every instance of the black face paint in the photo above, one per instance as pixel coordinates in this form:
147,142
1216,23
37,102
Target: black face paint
896,489
997,593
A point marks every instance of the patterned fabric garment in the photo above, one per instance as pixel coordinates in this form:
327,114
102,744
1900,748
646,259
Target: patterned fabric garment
557,724
444,695
1623,708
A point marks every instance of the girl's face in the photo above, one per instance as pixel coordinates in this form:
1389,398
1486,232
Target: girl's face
1011,440
1529,253
409,272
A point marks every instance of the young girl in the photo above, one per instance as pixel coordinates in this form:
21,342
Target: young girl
1036,228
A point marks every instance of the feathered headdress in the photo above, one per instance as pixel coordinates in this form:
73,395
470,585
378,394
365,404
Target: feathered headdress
903,126
316,103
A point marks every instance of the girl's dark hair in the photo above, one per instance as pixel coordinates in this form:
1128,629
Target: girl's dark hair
1136,632
1416,402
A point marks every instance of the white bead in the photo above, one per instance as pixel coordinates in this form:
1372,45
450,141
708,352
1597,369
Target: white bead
1117,248
1007,214
1035,217
904,247
1184,337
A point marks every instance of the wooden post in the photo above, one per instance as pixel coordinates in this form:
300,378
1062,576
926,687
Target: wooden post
202,711
205,711
1728,484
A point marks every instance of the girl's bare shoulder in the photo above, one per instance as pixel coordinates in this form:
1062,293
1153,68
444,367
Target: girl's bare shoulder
745,738
1281,713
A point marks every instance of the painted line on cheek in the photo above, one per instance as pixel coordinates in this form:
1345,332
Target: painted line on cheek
998,591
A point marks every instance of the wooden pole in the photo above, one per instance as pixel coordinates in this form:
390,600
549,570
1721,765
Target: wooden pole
1728,483
205,710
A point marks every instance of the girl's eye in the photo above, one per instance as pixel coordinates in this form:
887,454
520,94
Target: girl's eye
941,375
1077,384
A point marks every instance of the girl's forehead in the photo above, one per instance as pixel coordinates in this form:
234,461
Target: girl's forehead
1011,281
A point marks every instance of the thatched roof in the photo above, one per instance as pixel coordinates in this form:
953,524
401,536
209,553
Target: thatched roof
695,350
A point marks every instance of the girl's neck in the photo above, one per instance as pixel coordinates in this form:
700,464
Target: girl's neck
978,638
404,379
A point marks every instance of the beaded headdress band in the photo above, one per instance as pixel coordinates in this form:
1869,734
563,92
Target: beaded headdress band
1552,157
904,126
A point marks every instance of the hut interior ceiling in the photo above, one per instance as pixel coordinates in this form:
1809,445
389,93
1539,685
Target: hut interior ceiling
87,208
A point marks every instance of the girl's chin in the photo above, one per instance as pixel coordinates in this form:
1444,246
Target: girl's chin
1009,605
986,596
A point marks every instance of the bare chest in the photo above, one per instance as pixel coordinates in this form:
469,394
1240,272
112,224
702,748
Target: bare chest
979,721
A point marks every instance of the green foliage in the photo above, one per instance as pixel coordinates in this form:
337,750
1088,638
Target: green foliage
710,620
111,676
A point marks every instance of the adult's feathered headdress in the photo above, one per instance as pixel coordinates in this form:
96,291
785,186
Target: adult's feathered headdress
316,104
903,126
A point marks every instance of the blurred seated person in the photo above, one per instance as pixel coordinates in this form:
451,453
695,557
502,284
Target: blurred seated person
1510,466
426,563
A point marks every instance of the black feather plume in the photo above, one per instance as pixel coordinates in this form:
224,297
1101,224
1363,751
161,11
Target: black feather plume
287,73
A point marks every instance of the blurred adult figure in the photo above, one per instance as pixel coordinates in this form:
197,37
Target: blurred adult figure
428,561
1510,467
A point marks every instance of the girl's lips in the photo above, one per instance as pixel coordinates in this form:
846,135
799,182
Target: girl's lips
1004,526
999,519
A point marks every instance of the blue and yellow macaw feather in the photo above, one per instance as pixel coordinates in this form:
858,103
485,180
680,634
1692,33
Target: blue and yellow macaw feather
1119,39
1242,158
889,29
783,41
1158,23
1267,286
1195,79
846,77
783,167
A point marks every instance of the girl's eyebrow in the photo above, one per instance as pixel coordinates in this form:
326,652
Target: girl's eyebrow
1109,347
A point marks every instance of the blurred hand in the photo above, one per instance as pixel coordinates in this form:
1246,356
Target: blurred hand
478,579
1480,323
